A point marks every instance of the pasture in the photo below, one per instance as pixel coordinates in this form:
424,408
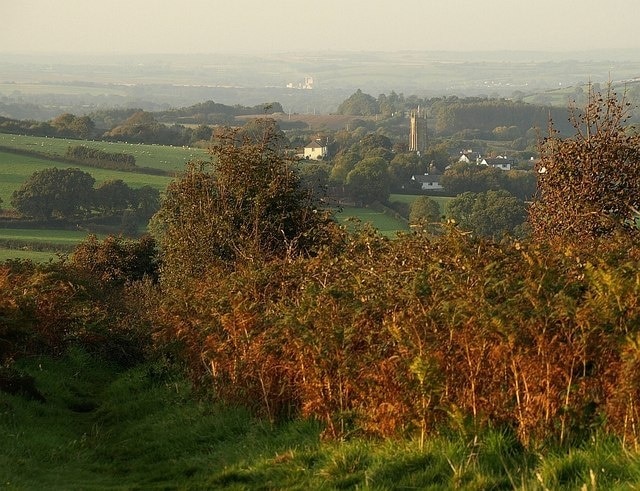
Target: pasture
35,256
43,236
38,245
15,169
166,158
385,224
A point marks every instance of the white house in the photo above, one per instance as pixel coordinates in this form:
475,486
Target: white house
316,150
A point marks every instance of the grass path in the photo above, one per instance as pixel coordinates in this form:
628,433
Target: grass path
103,426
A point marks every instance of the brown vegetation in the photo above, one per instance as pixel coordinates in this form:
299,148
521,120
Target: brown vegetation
366,334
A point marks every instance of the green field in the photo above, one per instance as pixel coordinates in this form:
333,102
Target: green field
385,224
167,158
48,236
443,201
39,245
15,169
35,256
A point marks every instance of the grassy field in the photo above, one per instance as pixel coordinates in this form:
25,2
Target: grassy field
162,157
35,256
442,201
62,237
385,224
38,245
90,433
15,169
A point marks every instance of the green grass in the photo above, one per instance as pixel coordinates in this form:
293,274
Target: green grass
15,169
385,224
38,245
106,427
26,254
162,157
49,236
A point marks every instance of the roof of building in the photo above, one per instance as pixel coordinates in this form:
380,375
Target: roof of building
315,144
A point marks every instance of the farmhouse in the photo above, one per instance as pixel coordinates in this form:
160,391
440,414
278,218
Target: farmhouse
316,150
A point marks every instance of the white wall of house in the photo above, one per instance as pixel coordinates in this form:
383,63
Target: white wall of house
315,152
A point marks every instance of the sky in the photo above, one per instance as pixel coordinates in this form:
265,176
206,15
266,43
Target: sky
272,26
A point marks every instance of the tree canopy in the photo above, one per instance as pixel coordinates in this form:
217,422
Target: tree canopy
369,181
359,104
488,214
55,192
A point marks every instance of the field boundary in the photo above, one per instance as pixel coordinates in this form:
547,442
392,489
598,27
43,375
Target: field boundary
85,163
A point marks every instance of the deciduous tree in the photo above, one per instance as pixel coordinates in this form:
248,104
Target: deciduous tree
589,184
246,205
488,214
369,180
54,192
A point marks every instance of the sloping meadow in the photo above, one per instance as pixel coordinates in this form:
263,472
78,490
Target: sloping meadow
413,335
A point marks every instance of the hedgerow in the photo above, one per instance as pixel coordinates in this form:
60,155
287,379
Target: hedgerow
389,337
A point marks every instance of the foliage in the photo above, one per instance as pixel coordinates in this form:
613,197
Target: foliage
65,125
314,177
44,309
469,177
68,125
368,181
489,214
55,192
245,205
69,194
113,196
211,112
589,185
359,104
453,115
115,260
120,161
410,335
426,211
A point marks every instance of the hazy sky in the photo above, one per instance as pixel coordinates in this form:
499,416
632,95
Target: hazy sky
228,26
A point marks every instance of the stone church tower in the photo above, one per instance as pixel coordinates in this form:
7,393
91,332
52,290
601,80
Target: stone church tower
418,131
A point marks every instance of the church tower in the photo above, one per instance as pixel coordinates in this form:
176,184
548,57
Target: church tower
418,131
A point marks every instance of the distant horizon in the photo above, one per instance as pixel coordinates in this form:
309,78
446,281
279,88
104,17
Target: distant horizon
258,28
600,54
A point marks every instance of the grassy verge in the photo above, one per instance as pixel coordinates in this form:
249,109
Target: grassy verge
105,427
